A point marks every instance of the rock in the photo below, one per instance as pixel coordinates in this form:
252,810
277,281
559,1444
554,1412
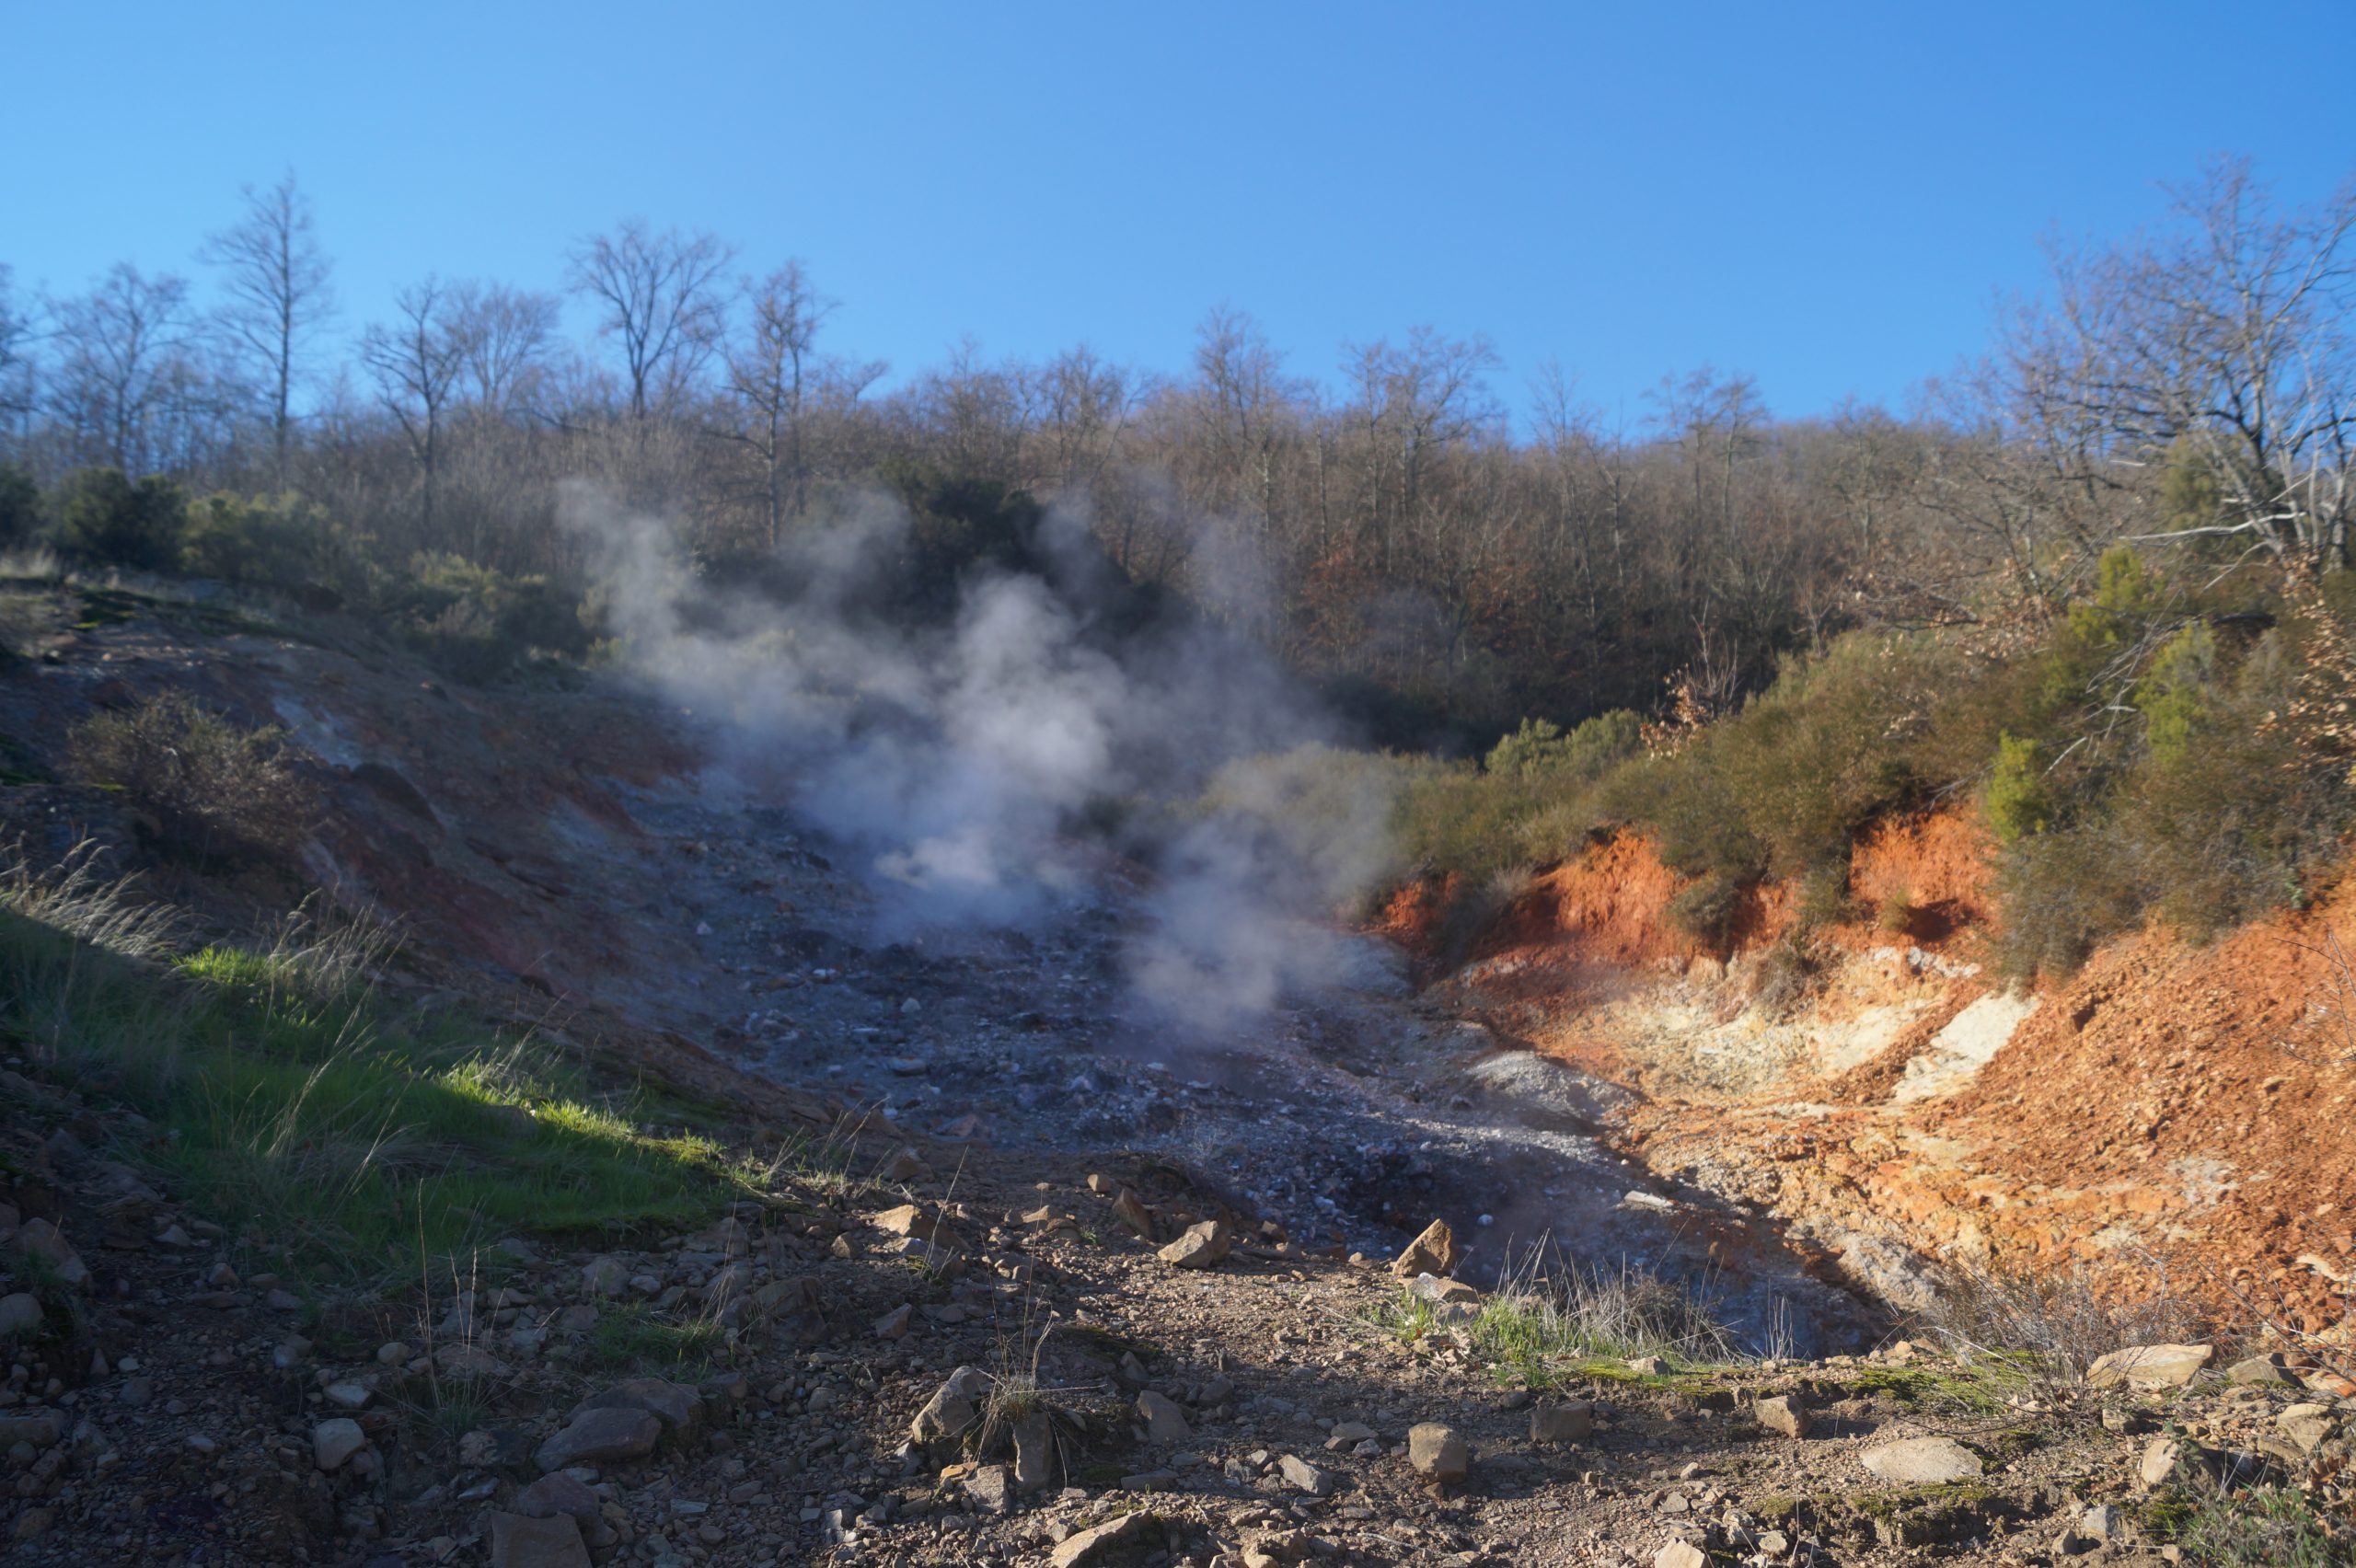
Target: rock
2308,1425
1924,1462
679,1407
1203,1246
1165,1422
1679,1554
42,1429
1443,1292
1563,1422
605,1276
349,1396
1130,1210
466,1361
907,1166
1089,1545
893,1325
1034,1444
1302,1476
2163,1458
1433,1252
280,1301
20,1316
334,1442
944,1416
523,1540
40,1241
1647,1366
1784,1415
2103,1522
1348,1435
560,1493
911,1220
599,1437
990,1489
2259,1369
1439,1451
2149,1366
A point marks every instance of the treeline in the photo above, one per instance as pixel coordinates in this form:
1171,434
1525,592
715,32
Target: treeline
1390,534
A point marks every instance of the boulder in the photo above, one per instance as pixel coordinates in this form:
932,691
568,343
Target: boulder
1433,1252
605,1276
1165,1422
1680,1554
1564,1423
945,1415
1924,1462
334,1442
1203,1246
523,1540
1095,1545
1302,1476
2149,1366
20,1316
1784,1414
601,1436
1439,1451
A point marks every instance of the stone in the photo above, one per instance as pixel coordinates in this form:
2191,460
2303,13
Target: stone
944,1416
2259,1369
523,1540
2308,1425
1302,1476
1165,1420
1564,1423
911,1220
600,1436
1205,1245
466,1361
990,1489
1433,1252
2103,1522
1924,1462
1679,1554
560,1493
2162,1458
679,1407
40,1241
20,1316
1439,1451
1348,1435
280,1301
349,1396
605,1276
1430,1287
334,1442
1784,1414
42,1429
1035,1451
893,1325
1647,1366
1130,1210
33,1524
2149,1366
907,1166
1090,1545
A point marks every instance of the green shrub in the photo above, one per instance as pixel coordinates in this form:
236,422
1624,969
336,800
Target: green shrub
210,791
280,541
2174,693
1540,746
2017,801
103,519
1705,910
476,622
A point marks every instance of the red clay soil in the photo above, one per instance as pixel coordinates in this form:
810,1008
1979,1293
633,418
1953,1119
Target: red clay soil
2172,1117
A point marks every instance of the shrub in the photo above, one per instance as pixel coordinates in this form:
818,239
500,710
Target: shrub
1539,747
2016,802
278,541
475,622
1705,910
102,518
209,790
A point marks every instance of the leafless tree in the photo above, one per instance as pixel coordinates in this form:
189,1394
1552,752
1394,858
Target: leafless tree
277,295
767,371
16,382
502,336
415,362
124,364
2229,335
661,297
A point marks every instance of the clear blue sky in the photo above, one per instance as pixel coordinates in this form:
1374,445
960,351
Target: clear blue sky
1826,197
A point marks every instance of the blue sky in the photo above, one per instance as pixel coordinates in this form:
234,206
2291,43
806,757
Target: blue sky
1825,197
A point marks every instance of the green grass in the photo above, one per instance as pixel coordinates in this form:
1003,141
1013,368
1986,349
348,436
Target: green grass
630,1336
282,1097
1976,1390
2264,1527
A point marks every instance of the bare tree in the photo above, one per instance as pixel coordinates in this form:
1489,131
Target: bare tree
660,296
278,295
16,383
415,363
502,336
123,364
767,371
2228,339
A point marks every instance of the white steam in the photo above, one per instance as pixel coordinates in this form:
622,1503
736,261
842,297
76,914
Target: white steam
956,761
